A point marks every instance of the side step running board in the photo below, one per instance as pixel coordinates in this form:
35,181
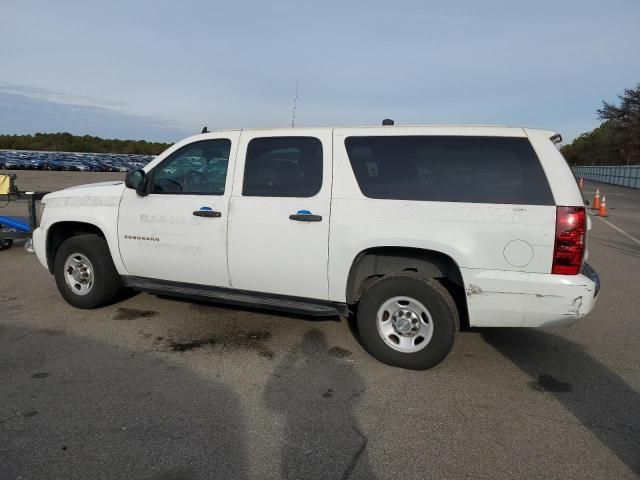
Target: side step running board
303,306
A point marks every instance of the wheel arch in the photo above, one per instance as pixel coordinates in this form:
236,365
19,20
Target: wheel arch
58,232
375,263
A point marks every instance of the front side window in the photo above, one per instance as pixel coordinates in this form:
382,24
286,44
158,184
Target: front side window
449,169
283,167
197,168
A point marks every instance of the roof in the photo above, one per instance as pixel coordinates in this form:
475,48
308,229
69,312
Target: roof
442,129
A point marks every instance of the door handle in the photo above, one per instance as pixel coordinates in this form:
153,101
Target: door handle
207,213
306,217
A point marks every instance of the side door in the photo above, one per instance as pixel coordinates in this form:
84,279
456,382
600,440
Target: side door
280,207
178,231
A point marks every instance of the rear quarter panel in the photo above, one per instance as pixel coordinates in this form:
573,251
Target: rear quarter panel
504,252
476,236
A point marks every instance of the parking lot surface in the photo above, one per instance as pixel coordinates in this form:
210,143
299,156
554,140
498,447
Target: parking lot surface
157,388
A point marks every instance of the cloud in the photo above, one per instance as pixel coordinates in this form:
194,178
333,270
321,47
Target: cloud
27,109
57,95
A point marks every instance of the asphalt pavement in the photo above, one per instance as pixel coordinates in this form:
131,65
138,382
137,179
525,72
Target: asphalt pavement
156,388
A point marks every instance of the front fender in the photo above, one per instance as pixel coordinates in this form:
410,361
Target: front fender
100,212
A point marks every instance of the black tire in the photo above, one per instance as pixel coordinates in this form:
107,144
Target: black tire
5,243
106,280
434,297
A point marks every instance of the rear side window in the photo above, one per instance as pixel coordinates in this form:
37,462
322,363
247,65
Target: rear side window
449,169
283,167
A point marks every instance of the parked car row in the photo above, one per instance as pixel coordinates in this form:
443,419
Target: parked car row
70,161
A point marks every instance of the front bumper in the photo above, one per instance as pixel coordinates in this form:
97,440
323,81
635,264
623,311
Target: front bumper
39,238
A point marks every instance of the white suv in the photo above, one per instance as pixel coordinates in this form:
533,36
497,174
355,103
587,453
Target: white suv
414,229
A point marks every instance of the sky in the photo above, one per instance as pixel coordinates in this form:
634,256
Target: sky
161,70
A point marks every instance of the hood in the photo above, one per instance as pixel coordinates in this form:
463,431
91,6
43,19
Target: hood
98,184
106,190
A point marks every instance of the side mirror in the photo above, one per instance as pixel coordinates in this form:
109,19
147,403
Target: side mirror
136,180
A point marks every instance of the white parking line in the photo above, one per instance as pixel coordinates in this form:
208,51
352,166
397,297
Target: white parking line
619,230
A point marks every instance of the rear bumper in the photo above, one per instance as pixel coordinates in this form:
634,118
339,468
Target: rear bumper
498,298
589,272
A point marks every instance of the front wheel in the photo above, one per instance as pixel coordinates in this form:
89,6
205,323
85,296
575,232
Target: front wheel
85,274
408,321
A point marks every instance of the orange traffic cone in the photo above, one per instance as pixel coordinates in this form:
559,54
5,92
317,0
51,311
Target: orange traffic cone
602,211
581,183
596,200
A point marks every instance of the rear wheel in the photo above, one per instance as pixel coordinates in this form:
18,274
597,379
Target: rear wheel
408,321
84,272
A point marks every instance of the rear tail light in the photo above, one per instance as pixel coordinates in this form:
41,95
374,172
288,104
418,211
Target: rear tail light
571,232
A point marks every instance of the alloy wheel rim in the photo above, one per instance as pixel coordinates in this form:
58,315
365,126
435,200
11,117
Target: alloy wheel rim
404,324
79,274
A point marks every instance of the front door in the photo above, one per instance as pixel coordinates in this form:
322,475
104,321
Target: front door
279,223
179,230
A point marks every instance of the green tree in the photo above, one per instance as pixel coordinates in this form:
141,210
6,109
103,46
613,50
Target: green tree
616,141
625,120
67,142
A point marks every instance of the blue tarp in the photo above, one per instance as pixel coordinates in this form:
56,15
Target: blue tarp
16,223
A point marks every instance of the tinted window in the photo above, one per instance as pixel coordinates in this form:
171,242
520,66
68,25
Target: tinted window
283,167
197,168
449,169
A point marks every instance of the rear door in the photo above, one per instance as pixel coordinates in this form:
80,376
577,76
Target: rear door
279,220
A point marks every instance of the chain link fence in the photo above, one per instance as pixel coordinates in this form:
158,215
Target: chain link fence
626,176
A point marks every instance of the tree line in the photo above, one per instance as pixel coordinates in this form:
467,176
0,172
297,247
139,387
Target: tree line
616,141
66,142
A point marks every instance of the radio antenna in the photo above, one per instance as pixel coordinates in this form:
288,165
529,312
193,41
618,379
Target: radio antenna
295,104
